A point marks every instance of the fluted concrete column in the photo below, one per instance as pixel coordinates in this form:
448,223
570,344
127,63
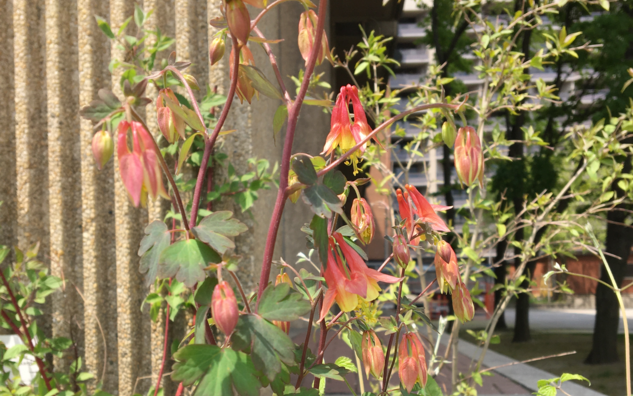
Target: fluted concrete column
64,166
30,123
97,206
8,220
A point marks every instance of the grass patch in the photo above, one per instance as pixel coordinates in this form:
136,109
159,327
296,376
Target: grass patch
608,379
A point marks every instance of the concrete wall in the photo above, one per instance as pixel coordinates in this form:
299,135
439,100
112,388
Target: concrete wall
54,59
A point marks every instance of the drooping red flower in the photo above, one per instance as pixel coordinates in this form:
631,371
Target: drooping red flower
244,90
446,269
469,158
426,211
363,220
373,355
140,168
463,303
401,251
412,366
102,148
238,19
171,125
307,37
350,279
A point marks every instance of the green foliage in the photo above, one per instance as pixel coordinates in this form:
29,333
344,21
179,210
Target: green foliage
186,261
221,371
282,303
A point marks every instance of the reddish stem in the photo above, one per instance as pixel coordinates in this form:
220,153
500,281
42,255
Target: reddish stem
25,334
319,360
165,348
181,388
273,63
293,116
210,142
305,343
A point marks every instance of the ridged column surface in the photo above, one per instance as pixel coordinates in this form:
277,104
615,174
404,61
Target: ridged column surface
130,222
30,123
97,206
64,159
8,192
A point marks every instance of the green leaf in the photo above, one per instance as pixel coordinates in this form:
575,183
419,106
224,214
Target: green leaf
53,282
104,26
318,225
278,120
346,363
215,229
569,377
186,260
205,291
260,82
485,40
15,351
335,181
282,303
139,16
322,200
85,376
201,318
303,167
604,4
329,370
219,370
269,345
102,107
157,238
184,150
431,388
547,390
4,252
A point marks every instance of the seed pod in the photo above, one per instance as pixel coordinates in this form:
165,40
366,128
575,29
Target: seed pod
238,19
373,355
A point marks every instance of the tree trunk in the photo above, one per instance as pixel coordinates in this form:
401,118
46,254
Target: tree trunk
619,242
522,331
500,273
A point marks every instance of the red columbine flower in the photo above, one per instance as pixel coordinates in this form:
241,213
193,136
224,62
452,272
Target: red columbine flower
139,169
102,148
360,128
373,355
426,211
463,303
405,212
469,159
224,308
412,361
401,251
349,280
238,20
307,35
446,269
245,88
363,220
340,127
284,326
170,124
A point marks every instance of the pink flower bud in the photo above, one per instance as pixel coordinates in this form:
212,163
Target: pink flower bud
284,326
412,361
216,50
446,269
224,308
102,148
171,125
401,251
469,159
245,90
363,220
373,355
463,303
238,19
307,32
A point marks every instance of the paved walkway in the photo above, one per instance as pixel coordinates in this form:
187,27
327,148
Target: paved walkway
579,320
